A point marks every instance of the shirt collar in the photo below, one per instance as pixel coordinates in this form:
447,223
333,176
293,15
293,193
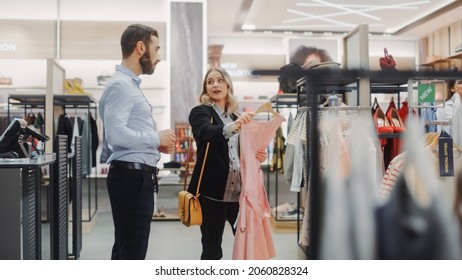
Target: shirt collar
219,110
128,72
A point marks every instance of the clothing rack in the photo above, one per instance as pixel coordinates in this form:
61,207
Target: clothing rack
317,81
285,100
65,101
88,103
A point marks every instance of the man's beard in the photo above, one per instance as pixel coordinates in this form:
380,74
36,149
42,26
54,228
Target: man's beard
146,64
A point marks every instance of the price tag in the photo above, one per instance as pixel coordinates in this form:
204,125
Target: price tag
445,155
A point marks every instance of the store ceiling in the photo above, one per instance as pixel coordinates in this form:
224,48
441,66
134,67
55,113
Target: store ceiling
407,18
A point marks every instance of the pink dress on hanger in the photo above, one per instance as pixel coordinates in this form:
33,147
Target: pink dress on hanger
253,239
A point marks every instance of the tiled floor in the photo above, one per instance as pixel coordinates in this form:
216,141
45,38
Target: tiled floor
169,240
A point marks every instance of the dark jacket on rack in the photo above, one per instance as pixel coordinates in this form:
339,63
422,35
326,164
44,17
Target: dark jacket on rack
65,128
217,163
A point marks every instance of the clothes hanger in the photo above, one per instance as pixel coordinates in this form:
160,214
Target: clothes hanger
266,107
434,144
430,138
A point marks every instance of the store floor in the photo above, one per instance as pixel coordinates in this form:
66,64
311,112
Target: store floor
169,240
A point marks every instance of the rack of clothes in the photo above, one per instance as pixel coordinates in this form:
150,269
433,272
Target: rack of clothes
73,115
345,218
78,115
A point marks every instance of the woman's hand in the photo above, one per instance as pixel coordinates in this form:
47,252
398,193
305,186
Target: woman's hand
261,155
243,119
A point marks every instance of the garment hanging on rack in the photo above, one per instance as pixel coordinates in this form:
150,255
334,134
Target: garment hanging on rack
253,238
75,132
40,122
417,221
94,139
428,114
277,159
404,111
368,147
293,162
410,230
65,128
30,118
86,146
456,127
446,184
348,225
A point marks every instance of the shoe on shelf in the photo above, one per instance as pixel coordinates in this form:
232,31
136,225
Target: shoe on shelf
160,213
395,121
285,207
291,215
381,122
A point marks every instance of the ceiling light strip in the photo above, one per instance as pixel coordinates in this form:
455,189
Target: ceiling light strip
340,7
374,8
404,6
321,18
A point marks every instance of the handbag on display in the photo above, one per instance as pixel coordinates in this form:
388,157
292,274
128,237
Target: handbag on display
387,62
189,207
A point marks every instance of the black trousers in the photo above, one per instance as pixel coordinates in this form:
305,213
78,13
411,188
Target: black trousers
131,194
214,217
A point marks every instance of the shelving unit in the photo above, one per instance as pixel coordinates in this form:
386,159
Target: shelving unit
85,102
183,140
445,63
88,104
168,190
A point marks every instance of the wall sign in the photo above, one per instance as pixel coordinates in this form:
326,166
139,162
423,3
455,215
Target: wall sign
7,47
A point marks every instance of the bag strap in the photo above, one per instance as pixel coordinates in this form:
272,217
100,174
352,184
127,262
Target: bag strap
187,162
202,168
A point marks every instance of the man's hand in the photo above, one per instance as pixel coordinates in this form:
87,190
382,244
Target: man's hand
261,155
167,141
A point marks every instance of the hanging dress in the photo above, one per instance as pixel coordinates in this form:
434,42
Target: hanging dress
253,239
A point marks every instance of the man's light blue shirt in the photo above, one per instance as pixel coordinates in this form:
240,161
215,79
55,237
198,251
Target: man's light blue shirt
127,118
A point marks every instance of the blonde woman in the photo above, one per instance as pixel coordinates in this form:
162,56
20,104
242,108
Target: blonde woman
217,122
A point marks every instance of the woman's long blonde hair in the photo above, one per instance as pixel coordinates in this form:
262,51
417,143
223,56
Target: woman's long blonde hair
231,105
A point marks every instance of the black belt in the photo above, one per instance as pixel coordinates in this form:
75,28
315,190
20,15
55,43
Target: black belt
116,164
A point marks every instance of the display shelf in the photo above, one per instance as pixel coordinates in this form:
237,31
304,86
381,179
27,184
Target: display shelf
167,209
183,140
82,101
445,61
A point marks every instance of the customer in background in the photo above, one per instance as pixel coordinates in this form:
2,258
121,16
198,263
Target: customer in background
446,113
136,145
217,122
312,57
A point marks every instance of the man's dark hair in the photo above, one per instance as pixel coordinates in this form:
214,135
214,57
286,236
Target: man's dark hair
133,34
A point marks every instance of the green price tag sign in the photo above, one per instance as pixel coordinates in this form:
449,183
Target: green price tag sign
426,93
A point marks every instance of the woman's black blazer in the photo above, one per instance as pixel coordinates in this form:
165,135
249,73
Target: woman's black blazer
216,168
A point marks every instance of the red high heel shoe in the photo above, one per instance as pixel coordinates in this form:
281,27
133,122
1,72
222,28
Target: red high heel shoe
395,121
381,122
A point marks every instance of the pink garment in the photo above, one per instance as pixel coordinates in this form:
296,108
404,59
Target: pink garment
253,240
